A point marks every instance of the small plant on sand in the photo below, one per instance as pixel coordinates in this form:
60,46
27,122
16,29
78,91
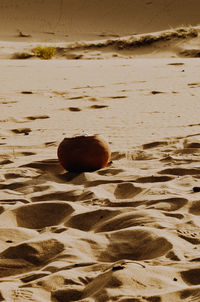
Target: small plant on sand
44,52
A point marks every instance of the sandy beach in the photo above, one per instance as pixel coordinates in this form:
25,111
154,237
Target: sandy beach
128,232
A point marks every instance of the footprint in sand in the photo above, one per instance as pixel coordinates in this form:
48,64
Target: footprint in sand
5,162
195,208
89,220
169,204
78,97
153,179
34,252
180,171
191,235
49,144
74,109
176,64
188,144
194,85
11,267
145,244
37,117
98,106
154,144
70,195
24,131
92,99
40,215
118,97
8,102
50,165
125,220
27,153
126,190
156,92
191,277
26,92
69,293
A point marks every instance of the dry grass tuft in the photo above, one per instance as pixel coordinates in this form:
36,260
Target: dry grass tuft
44,52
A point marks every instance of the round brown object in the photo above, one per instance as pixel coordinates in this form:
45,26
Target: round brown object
83,153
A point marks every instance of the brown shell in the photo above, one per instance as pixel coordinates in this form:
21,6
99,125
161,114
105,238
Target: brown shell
83,153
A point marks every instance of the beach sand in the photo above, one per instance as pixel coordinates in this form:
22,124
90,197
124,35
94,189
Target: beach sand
128,232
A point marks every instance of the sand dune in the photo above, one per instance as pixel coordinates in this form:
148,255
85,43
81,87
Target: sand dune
128,70
49,19
177,42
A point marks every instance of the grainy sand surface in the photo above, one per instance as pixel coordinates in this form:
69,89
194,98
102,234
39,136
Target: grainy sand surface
129,232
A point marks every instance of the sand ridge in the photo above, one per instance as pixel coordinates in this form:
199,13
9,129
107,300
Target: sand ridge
176,42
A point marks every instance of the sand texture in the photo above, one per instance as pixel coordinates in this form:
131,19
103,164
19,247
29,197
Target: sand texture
129,232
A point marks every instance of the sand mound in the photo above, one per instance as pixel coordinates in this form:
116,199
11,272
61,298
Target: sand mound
50,20
177,42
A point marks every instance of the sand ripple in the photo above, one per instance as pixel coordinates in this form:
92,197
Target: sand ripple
104,236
